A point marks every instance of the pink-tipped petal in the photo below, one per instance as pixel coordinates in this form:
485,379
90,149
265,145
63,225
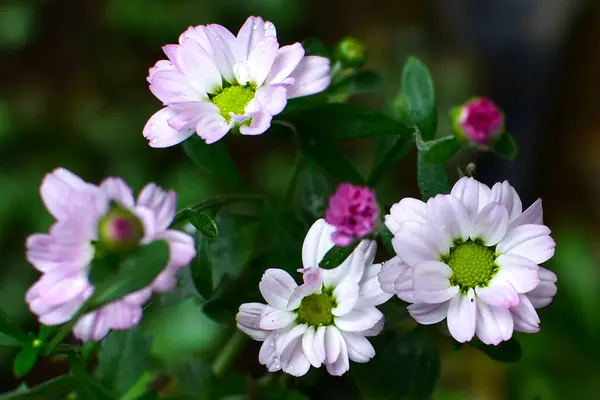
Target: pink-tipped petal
530,241
248,320
417,242
520,272
473,194
117,190
450,216
533,215
272,98
160,134
499,293
525,317
162,203
259,123
261,59
431,282
505,194
312,75
286,60
211,126
490,224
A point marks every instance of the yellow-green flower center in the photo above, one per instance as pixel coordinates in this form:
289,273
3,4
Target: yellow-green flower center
120,230
316,309
473,265
233,99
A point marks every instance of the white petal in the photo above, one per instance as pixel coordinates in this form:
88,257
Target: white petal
158,132
312,75
520,272
499,293
359,348
272,98
342,363
408,209
252,32
248,320
162,203
474,195
116,189
461,316
375,330
333,340
533,215
286,61
525,317
428,314
275,319
198,66
286,336
494,325
505,194
417,242
390,272
431,282
259,123
261,59
346,296
268,354
222,44
313,344
359,319
529,241
450,217
277,286
490,224
370,293
212,126
543,294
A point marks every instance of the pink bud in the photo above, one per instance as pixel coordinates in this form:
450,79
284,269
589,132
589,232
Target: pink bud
353,212
480,120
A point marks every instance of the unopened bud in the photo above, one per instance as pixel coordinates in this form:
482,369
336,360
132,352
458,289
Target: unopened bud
479,121
351,52
120,230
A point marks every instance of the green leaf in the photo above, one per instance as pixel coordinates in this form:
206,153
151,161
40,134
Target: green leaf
136,272
315,47
202,267
360,82
123,358
213,205
328,155
25,360
432,179
386,237
54,389
205,224
314,189
509,351
419,94
388,151
8,341
439,151
415,354
336,255
345,121
86,386
299,105
505,146
214,160
9,327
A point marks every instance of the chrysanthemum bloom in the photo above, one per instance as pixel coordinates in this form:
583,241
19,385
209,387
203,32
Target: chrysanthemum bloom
214,81
353,212
323,321
92,220
479,121
472,257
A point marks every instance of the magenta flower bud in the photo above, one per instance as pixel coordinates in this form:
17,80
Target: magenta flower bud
353,212
479,121
120,230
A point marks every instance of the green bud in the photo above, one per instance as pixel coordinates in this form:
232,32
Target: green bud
351,52
120,231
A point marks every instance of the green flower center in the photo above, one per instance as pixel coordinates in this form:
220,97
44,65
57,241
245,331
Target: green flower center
473,265
120,230
233,99
316,309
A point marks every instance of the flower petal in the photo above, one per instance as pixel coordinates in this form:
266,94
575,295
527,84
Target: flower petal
525,317
346,296
273,318
428,314
201,70
407,209
431,282
359,348
533,215
158,132
121,315
287,59
505,194
312,75
370,293
417,242
333,340
490,224
117,190
162,203
473,194
494,324
313,344
49,252
450,217
91,326
259,123
251,33
212,126
342,363
529,241
181,252
359,319
520,272
277,286
261,59
499,293
248,320
543,294
462,313
223,44
375,329
272,98
268,354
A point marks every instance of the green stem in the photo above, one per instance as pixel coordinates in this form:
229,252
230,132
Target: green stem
140,387
229,352
62,333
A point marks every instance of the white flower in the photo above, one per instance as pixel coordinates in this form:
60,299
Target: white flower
472,257
323,321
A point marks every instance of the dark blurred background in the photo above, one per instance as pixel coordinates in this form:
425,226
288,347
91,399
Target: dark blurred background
73,94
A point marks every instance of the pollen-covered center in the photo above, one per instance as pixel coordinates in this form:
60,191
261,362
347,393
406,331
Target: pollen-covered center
316,309
233,99
473,265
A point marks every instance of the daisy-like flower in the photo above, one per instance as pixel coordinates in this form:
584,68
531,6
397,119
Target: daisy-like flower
353,212
471,257
214,81
94,219
323,321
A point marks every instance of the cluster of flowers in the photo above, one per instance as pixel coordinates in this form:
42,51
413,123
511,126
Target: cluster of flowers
471,257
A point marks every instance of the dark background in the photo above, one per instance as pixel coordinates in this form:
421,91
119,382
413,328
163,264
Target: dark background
73,94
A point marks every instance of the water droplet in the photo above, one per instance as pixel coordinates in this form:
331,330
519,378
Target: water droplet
154,140
254,27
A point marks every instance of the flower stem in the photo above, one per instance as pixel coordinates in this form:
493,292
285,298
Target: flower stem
229,353
140,387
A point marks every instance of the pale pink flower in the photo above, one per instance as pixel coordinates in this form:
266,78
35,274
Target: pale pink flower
471,257
214,81
87,216
324,321
353,212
